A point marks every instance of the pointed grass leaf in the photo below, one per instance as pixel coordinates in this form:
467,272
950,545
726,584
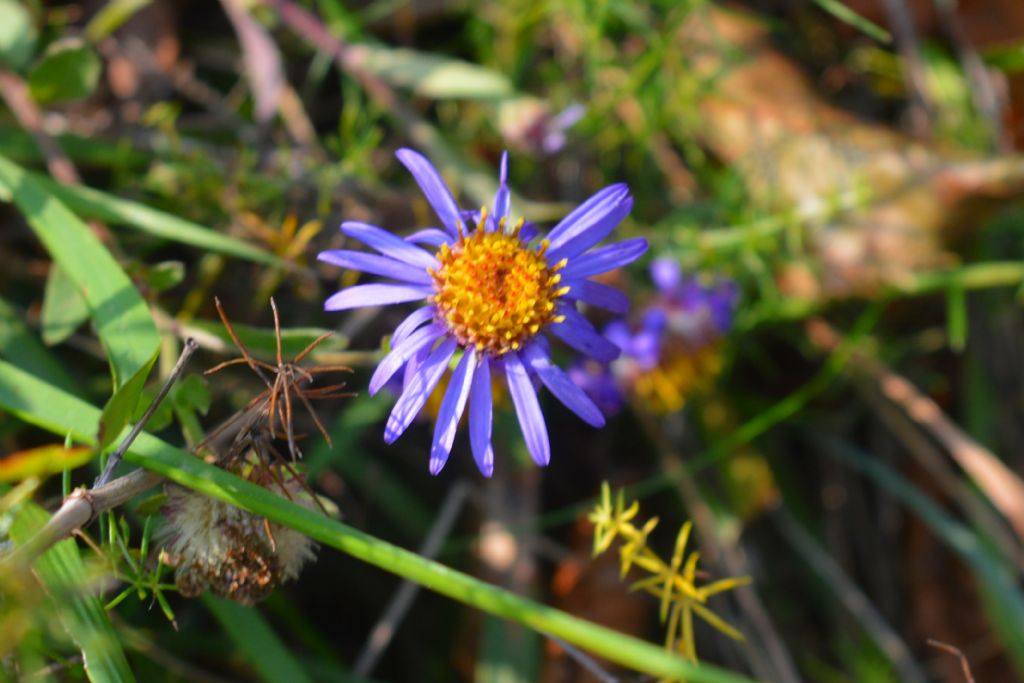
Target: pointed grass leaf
64,307
121,406
42,461
433,76
164,275
68,71
93,203
111,16
122,319
46,406
64,575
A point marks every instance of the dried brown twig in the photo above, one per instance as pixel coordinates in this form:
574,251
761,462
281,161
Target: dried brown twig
956,652
271,414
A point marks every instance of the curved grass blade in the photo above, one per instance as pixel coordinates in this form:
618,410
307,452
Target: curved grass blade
65,578
46,406
122,319
257,641
116,211
21,346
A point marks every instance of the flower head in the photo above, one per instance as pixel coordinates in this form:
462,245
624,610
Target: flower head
493,294
234,554
673,350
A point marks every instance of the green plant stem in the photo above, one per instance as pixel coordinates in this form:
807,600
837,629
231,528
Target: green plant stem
975,276
50,408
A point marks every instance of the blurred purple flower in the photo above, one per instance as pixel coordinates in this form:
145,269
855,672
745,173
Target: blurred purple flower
529,123
493,296
674,348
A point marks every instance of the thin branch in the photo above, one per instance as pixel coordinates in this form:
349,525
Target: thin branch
964,664
1000,484
78,510
14,92
921,108
384,630
115,457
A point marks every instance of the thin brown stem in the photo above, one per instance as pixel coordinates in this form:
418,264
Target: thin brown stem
179,367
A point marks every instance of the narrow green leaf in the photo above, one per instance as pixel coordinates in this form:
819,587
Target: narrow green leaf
110,209
848,16
164,275
432,75
48,407
111,16
264,651
68,71
64,575
122,319
64,307
956,317
17,34
21,346
1009,59
121,406
20,147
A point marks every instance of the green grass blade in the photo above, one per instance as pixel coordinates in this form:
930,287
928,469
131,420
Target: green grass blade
65,578
122,319
846,15
116,211
21,346
20,147
385,491
46,406
257,641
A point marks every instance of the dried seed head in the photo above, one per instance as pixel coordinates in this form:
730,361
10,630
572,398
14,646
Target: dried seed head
230,552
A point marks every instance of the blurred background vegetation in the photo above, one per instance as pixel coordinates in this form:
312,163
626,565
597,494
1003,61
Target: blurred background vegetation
856,448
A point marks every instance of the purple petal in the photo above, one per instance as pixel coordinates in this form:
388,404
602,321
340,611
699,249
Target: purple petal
429,236
375,295
590,222
412,322
377,265
528,231
401,353
598,294
433,188
418,391
564,389
501,197
480,416
531,419
452,405
617,332
389,244
577,332
603,259
412,366
599,384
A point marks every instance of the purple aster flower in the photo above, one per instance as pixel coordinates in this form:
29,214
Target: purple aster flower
493,295
672,350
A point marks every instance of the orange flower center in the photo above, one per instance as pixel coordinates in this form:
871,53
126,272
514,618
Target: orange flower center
493,292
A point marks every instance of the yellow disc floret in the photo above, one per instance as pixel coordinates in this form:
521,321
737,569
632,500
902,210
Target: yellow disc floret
495,293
